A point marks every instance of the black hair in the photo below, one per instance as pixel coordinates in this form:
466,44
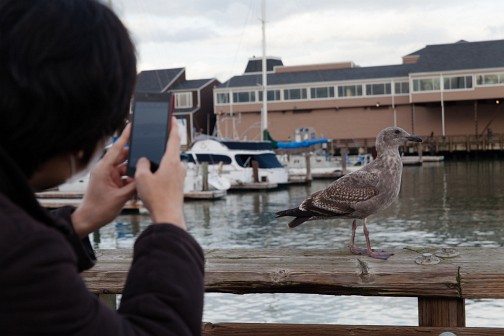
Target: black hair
67,73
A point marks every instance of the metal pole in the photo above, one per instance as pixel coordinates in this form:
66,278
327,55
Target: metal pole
393,103
264,111
442,105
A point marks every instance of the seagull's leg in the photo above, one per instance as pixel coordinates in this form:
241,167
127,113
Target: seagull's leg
370,252
351,246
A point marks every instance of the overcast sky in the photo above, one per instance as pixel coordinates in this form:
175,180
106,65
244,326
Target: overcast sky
215,38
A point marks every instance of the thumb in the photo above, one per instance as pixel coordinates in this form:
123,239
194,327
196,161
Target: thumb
142,166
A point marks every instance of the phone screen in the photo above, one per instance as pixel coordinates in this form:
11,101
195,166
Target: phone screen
149,133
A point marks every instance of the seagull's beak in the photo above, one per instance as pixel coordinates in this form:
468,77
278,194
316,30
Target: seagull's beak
414,138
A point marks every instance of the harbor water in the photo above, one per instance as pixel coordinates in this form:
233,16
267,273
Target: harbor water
446,204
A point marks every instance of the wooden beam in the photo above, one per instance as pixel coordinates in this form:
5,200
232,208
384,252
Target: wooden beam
476,273
266,329
441,312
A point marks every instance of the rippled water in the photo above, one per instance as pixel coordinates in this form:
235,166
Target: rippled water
440,204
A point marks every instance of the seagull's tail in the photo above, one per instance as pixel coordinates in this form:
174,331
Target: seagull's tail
301,216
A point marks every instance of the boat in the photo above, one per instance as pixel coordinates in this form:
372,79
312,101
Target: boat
195,187
321,165
245,164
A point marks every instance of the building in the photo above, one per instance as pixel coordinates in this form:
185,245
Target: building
446,89
193,98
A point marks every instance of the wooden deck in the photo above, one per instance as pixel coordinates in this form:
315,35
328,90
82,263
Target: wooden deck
254,186
56,199
441,288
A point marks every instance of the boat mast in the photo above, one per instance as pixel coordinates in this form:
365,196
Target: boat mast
264,111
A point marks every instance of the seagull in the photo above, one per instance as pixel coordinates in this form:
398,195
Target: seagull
361,193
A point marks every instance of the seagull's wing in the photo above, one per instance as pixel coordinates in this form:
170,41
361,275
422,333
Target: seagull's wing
341,195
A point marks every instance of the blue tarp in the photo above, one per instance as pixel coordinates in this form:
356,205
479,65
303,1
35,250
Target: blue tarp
300,144
292,144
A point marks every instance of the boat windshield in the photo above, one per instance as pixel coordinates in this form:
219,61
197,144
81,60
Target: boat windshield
210,158
267,160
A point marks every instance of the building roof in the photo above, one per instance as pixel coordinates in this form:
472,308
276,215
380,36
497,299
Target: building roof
460,55
192,84
157,80
316,76
433,58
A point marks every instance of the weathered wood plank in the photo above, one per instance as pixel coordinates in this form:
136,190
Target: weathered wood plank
441,312
266,329
475,273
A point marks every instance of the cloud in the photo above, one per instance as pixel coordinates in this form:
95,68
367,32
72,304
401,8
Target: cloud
216,38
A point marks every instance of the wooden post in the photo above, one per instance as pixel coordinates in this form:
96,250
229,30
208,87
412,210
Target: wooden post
343,153
308,176
255,171
204,176
441,312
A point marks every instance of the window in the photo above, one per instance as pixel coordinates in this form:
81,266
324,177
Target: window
264,160
349,90
244,97
401,87
294,94
272,95
322,92
457,83
490,79
378,89
210,158
426,84
183,100
222,98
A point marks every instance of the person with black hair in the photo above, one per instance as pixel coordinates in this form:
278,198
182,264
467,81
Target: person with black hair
67,73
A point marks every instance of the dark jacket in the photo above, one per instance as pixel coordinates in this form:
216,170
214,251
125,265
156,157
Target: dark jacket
42,293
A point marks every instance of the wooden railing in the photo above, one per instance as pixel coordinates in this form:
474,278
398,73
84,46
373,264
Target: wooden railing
441,288
436,144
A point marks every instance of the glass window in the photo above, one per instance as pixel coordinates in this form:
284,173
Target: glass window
244,97
349,90
378,89
426,84
272,95
490,79
264,160
222,98
294,94
457,83
322,92
401,87
183,100
210,158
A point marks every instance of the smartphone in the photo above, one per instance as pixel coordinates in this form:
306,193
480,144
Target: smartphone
150,129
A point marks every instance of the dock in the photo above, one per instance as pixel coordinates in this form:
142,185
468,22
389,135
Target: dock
441,287
254,186
56,199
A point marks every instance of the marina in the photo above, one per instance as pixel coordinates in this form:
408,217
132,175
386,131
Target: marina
453,204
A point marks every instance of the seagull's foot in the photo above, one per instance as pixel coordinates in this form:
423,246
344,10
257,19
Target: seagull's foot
357,250
371,253
379,254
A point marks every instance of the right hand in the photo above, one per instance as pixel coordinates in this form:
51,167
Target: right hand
162,192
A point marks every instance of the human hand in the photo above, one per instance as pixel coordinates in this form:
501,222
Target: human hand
107,191
162,192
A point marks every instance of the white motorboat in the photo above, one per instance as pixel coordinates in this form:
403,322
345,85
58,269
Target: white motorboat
240,162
